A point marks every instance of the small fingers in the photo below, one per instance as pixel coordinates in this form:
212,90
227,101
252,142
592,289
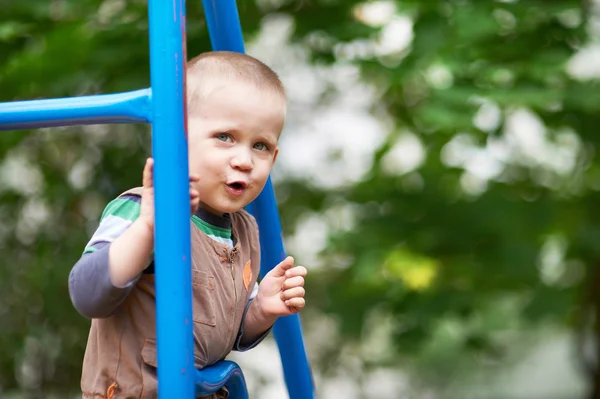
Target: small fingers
296,292
296,271
282,267
147,179
297,303
297,281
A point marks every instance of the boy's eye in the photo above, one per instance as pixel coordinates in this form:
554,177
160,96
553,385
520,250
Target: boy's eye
223,137
261,146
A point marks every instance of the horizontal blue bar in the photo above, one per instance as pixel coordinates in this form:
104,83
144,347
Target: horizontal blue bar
211,378
129,107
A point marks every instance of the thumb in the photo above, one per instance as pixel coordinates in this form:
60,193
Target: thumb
282,267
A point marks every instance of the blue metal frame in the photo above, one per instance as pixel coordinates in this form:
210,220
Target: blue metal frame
164,107
226,34
130,107
174,321
287,330
211,378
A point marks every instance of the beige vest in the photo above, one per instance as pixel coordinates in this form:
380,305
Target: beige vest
120,357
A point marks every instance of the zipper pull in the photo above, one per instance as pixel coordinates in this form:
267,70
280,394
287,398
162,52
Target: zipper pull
233,255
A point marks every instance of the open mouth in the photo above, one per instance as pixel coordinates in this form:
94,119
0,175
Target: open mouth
236,188
237,185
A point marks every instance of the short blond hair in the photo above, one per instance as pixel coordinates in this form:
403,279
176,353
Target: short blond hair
208,70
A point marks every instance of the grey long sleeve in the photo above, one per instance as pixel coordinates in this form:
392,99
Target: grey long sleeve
90,288
237,346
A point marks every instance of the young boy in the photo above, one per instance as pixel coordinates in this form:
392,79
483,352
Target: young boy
236,111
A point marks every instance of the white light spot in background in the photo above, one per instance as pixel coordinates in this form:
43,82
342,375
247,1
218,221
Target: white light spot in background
498,148
340,387
32,218
80,175
483,165
458,150
395,37
376,13
20,175
528,140
488,117
308,240
334,151
387,383
585,64
472,184
406,155
570,18
439,77
525,131
505,19
551,262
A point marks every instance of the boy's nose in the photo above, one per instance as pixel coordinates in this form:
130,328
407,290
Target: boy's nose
242,161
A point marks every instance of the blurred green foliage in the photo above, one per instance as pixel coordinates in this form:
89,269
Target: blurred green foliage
429,248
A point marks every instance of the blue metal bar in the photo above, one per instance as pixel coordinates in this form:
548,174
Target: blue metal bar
176,372
129,107
226,34
287,330
210,379
224,25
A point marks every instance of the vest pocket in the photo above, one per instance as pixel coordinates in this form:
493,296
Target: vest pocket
148,369
203,287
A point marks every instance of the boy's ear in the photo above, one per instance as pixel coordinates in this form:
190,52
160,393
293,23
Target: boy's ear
275,154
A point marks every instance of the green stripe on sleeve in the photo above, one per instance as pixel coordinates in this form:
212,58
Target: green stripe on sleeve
89,250
123,208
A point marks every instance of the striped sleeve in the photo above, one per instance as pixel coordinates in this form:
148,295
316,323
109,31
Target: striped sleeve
90,288
118,215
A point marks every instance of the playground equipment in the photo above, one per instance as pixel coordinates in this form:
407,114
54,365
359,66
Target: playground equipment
162,105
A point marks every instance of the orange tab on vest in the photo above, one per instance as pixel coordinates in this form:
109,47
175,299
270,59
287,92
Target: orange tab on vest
247,274
112,389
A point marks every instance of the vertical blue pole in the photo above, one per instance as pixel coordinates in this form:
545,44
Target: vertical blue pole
287,330
171,182
226,34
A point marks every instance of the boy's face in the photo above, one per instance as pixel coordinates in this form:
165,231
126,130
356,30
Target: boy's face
232,141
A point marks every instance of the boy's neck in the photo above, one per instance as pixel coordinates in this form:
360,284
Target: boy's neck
210,210
216,219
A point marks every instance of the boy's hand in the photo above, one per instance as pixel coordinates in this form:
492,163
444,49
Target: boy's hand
147,203
281,292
